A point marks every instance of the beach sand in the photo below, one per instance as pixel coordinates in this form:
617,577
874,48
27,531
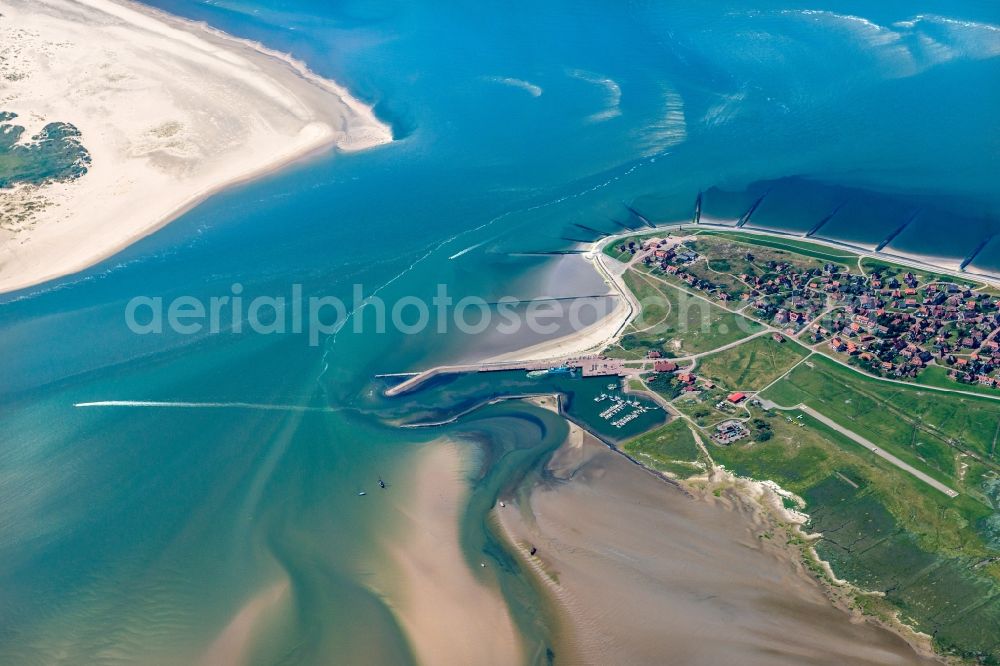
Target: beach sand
644,573
170,111
594,337
449,615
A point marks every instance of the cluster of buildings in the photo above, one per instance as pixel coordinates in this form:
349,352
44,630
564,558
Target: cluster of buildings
888,322
782,293
685,381
897,327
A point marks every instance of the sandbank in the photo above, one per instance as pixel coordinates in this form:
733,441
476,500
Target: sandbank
449,615
170,111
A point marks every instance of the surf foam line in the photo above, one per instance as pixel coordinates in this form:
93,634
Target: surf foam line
204,405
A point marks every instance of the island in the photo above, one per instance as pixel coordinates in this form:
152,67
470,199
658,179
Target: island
116,118
850,398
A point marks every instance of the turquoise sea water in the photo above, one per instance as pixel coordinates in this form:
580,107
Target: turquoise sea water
135,531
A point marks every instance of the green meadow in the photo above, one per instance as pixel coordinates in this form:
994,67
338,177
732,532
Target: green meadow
752,365
669,449
677,323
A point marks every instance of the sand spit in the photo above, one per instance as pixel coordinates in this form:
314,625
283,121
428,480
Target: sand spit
644,573
170,110
449,615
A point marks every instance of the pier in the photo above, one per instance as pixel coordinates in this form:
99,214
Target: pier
589,366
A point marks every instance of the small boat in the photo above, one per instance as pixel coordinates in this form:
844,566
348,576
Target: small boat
381,483
362,494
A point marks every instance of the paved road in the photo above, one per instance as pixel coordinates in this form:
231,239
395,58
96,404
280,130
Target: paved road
868,444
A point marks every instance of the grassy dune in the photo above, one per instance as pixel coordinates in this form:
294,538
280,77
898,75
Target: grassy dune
799,247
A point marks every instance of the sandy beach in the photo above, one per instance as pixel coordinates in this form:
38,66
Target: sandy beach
170,112
644,574
591,338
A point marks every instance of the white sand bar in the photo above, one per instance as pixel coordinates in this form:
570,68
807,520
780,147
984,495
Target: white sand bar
170,110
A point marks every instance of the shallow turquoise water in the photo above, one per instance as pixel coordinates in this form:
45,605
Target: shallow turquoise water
139,531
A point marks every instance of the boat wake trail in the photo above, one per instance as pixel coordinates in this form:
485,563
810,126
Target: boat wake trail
468,249
205,405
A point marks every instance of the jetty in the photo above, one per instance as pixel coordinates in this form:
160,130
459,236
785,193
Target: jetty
589,366
753,209
642,218
975,253
819,225
891,237
621,224
546,253
600,234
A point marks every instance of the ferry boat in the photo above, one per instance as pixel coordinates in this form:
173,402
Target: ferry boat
558,370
